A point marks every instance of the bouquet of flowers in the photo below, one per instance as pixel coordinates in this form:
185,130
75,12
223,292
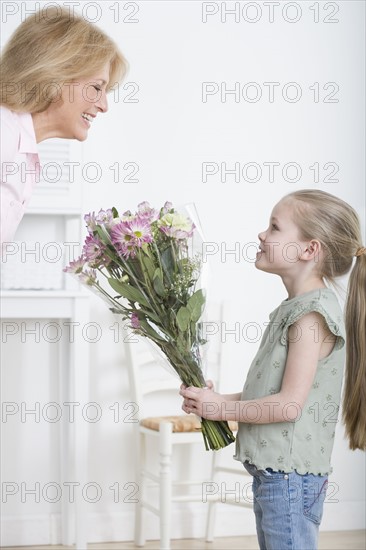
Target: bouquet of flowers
145,259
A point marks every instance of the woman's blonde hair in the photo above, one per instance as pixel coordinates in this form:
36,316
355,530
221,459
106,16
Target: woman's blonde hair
333,222
52,47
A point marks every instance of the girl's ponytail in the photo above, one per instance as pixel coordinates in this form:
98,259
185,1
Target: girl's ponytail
354,397
336,225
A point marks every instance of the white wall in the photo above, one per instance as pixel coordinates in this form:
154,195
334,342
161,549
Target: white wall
169,133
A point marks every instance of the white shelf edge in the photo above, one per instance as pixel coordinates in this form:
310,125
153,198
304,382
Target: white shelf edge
52,212
43,294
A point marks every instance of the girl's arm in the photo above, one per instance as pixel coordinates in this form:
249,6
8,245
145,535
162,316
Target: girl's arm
232,396
210,386
307,344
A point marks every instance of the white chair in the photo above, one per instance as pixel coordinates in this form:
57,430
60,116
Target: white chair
148,378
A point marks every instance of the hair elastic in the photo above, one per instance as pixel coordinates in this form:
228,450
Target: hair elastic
360,251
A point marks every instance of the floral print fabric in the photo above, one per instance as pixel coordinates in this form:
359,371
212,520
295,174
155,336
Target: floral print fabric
306,444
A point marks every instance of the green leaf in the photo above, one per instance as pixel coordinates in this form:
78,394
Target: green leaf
151,315
168,263
149,265
196,304
182,343
102,234
158,283
150,331
129,292
114,212
183,318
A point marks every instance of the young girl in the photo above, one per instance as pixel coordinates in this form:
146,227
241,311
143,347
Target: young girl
287,411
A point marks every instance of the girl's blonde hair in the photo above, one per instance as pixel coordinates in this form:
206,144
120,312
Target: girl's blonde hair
333,222
50,48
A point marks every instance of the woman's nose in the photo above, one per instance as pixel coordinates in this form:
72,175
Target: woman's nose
102,102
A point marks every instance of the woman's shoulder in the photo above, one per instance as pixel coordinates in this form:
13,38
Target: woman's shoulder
10,133
7,114
10,120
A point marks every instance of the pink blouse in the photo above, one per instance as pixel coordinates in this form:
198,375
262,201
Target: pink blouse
20,169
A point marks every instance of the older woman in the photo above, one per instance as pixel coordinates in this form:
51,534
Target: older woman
56,71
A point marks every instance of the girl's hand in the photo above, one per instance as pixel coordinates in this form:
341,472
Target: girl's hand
203,402
209,385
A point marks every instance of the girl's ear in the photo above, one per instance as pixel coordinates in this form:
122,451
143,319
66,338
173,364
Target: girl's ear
312,250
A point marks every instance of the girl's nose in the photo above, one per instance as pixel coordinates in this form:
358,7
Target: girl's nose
262,236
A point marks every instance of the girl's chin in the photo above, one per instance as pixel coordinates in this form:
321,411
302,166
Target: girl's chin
262,266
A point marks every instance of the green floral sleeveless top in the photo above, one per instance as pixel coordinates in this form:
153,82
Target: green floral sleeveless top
306,444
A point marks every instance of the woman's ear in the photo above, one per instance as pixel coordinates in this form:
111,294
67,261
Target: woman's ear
312,251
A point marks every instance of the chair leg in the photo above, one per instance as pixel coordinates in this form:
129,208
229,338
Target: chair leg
165,484
140,479
211,512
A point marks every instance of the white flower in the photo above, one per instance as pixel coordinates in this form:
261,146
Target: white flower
176,225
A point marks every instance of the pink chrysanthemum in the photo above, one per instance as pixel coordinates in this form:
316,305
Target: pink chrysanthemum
178,234
146,212
132,234
88,277
105,217
93,249
75,266
168,206
91,222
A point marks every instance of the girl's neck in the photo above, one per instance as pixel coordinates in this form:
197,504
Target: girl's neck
297,287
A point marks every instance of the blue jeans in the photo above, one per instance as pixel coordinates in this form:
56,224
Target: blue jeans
288,508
